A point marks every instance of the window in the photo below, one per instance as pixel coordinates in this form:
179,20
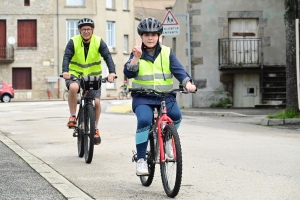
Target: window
110,34
71,29
110,4
27,34
125,50
21,78
125,4
26,2
75,3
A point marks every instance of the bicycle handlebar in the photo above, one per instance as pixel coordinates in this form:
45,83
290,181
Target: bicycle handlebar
103,80
146,90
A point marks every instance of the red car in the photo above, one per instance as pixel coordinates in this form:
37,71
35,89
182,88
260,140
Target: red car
6,92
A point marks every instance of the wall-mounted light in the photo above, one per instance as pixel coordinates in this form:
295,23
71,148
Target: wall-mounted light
11,40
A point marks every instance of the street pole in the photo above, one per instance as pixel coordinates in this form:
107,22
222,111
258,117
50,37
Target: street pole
186,18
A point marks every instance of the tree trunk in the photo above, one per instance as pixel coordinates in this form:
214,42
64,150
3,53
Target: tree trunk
291,72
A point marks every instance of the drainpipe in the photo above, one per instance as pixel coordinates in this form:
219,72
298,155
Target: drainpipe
297,51
296,9
57,15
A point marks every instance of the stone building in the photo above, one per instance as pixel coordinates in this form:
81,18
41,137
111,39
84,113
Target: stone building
34,34
237,51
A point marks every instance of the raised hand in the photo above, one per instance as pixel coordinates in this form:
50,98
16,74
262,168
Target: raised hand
137,49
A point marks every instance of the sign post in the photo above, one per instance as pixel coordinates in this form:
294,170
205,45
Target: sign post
170,25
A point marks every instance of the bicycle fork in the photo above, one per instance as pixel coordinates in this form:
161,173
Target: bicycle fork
161,123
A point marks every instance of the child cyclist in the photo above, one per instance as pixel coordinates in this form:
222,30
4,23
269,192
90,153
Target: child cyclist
153,65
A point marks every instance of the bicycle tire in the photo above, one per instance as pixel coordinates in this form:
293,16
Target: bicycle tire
65,95
80,138
171,169
121,95
147,180
128,96
89,132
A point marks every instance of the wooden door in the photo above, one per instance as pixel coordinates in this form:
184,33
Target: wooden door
243,47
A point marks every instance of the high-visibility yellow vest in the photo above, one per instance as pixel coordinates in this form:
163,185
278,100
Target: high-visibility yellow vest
155,75
92,64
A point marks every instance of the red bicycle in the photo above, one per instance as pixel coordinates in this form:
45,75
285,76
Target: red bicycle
163,131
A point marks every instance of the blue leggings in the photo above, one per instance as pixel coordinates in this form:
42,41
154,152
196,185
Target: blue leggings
144,114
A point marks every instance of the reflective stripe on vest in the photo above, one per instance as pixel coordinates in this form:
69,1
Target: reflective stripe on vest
155,75
92,65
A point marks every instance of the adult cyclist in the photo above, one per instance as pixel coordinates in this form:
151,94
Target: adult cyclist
153,65
82,57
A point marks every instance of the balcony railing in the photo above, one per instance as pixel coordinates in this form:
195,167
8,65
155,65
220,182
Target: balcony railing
6,54
240,53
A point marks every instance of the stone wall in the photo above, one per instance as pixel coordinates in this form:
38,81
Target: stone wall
209,21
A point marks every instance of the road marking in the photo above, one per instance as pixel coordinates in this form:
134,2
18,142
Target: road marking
125,108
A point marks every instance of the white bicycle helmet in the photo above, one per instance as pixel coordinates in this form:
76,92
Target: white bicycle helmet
150,25
85,22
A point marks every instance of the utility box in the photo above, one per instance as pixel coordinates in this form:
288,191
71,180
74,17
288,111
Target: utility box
52,79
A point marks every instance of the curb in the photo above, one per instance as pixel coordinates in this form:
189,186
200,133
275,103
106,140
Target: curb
219,114
276,122
64,186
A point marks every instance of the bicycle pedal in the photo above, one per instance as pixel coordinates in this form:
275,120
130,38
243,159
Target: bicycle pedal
142,174
134,157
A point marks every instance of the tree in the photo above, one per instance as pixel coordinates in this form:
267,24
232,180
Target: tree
291,72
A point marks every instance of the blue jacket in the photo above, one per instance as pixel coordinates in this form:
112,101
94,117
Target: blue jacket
177,70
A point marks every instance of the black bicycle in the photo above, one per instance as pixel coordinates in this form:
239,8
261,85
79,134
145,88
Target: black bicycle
163,131
85,128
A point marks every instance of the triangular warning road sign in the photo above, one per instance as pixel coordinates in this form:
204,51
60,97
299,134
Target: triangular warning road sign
169,19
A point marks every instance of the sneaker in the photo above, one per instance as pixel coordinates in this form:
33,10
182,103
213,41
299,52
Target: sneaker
72,122
169,149
97,138
141,167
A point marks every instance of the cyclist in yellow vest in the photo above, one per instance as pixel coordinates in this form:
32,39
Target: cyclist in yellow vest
152,65
82,57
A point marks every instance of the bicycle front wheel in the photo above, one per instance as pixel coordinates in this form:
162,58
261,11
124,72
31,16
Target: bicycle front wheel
171,169
89,132
80,138
147,180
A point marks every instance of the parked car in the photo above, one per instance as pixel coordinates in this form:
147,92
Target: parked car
6,92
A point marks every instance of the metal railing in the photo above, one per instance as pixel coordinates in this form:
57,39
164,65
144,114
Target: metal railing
7,53
242,52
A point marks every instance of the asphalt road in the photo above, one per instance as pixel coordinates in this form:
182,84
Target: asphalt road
224,157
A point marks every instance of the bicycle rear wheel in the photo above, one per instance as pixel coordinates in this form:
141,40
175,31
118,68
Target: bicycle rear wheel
121,95
171,169
147,180
89,132
80,138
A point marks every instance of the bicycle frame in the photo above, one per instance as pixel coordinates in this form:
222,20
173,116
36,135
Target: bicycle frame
84,101
162,119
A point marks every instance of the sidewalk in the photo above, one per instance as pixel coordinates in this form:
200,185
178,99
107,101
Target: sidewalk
258,115
24,176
